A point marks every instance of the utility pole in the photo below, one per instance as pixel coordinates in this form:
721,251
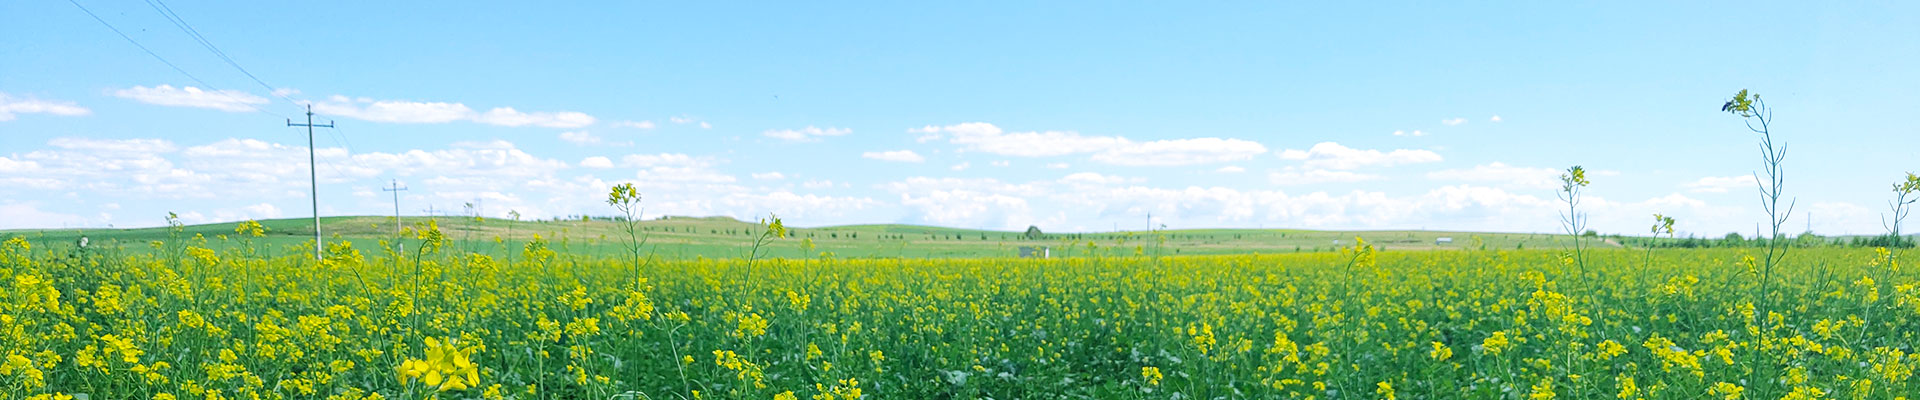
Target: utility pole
313,176
396,189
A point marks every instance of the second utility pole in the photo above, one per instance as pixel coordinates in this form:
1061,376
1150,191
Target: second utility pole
395,188
313,176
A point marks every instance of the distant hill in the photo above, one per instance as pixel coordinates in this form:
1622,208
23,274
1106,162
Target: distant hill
724,237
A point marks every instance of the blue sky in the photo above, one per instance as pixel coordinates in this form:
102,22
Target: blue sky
1070,116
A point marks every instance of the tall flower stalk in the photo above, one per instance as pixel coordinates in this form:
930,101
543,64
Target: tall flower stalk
1572,183
1759,118
625,198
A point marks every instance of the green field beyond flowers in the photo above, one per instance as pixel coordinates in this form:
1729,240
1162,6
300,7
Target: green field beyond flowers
213,318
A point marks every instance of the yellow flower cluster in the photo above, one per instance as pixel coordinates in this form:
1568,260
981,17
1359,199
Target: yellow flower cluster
447,367
215,318
1152,375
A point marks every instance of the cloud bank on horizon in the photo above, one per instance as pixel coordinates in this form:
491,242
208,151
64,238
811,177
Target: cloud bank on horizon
1026,179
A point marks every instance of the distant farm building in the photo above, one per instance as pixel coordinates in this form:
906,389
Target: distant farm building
1036,252
1443,241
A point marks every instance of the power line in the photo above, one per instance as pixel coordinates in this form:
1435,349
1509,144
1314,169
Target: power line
165,11
156,56
136,43
160,6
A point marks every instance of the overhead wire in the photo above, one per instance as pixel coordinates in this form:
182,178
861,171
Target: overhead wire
136,43
156,56
160,6
165,11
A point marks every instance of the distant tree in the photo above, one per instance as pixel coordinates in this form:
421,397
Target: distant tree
1809,239
1033,232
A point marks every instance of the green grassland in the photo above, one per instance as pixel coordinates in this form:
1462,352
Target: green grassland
721,237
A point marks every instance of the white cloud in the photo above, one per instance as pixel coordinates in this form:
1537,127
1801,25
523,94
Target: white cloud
240,178
962,166
981,136
747,205
11,107
675,168
8,165
579,137
261,211
1527,177
1495,118
507,116
1415,132
1001,163
969,208
1453,121
683,119
1330,155
596,162
188,96
489,160
1091,178
29,215
1316,176
807,134
401,111
1230,169
769,176
395,111
114,145
988,202
1181,152
895,155
634,124
1721,184
985,137
663,159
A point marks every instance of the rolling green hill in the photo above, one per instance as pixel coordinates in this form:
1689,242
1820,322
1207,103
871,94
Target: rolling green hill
722,237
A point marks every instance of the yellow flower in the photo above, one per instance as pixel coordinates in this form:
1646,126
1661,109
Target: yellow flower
446,368
1440,351
1496,343
1726,390
250,228
1627,388
1152,375
1385,390
1543,390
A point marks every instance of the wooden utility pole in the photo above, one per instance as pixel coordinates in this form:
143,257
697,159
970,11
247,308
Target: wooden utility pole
396,189
313,176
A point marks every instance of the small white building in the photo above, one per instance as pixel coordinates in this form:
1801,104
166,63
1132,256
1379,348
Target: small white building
1443,241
